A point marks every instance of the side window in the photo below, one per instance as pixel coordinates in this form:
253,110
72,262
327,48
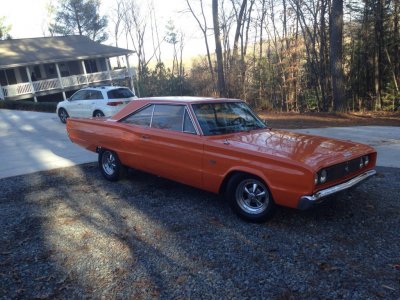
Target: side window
142,117
94,95
168,117
188,124
80,95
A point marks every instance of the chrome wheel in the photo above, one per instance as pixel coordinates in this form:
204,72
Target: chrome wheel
63,115
252,196
109,163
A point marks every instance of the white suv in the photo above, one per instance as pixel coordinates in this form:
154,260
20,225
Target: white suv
95,102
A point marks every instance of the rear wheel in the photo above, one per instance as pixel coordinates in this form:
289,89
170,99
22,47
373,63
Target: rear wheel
250,198
110,165
63,115
98,113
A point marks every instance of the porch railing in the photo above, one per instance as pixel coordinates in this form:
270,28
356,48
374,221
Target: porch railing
66,82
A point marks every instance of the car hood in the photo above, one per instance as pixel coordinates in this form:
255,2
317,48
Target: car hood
313,151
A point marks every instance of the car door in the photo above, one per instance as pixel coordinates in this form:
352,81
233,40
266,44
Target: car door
170,147
94,100
76,103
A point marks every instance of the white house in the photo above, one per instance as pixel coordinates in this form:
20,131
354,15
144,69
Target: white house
34,67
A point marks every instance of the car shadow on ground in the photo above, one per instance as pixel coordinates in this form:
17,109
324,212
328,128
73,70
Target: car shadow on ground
69,233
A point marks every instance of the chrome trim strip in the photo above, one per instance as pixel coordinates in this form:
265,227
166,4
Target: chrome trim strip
191,119
152,114
307,201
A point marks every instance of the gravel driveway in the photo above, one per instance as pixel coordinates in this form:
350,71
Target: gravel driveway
68,233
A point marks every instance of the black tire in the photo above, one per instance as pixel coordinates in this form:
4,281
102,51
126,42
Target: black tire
250,198
98,113
110,165
63,115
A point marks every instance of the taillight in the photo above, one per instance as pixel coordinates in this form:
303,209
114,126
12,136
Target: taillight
115,103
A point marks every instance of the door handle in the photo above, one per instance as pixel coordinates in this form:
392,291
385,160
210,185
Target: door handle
145,137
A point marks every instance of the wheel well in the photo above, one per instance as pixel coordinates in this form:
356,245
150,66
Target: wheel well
224,184
97,110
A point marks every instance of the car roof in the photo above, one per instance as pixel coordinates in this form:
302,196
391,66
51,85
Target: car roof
187,99
141,102
104,87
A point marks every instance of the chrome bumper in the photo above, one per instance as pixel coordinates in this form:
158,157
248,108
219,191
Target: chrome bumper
308,201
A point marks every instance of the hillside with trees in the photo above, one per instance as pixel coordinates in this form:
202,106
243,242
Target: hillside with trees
280,55
283,55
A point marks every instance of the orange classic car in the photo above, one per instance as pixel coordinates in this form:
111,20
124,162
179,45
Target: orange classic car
221,146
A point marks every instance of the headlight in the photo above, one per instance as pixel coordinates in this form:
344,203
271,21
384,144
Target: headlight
322,176
366,160
361,163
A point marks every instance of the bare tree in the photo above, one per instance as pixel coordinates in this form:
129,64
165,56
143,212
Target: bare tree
117,16
204,28
218,50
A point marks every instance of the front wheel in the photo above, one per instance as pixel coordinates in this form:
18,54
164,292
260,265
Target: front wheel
110,165
250,198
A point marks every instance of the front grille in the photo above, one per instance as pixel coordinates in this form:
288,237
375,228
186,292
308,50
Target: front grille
343,169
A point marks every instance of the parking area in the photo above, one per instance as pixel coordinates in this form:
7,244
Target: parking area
35,141
69,233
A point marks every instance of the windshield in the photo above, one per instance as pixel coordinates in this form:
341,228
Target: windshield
226,117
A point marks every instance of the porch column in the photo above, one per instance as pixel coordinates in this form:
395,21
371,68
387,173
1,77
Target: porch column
129,73
84,71
30,81
60,80
108,69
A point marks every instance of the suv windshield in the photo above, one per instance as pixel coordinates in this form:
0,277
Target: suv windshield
226,117
120,93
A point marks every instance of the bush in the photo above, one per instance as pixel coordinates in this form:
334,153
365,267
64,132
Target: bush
28,105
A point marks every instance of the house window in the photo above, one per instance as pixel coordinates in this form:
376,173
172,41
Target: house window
7,77
50,70
22,73
36,75
3,78
64,70
91,66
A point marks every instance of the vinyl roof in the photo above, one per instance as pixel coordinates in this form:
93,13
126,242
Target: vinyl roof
188,99
23,52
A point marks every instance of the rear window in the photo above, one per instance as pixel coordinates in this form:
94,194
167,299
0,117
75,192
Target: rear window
120,93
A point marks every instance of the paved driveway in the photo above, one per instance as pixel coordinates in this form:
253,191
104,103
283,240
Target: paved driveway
33,141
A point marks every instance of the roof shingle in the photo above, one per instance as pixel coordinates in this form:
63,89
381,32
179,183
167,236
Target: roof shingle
23,52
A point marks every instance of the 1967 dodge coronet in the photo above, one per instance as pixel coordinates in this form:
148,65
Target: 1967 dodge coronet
220,145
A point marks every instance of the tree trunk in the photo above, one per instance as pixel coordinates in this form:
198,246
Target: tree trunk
336,55
378,55
396,33
218,50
